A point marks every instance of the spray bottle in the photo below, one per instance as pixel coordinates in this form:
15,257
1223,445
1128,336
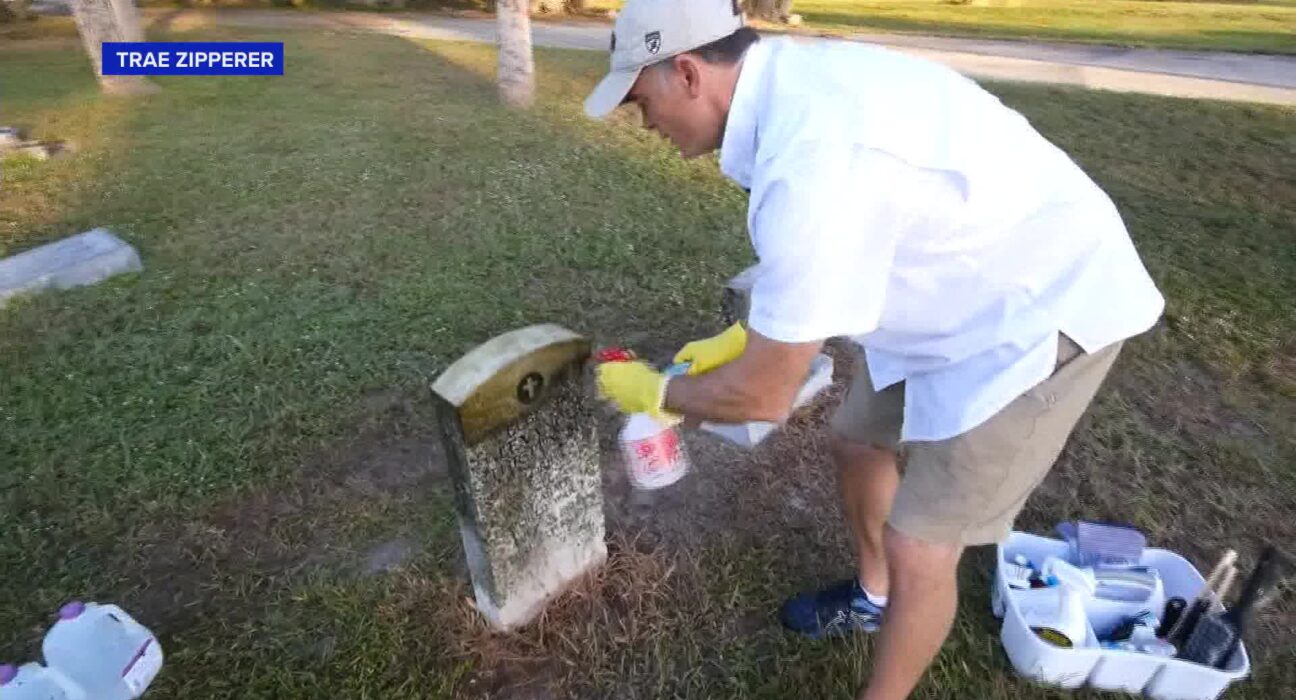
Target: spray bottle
1057,613
654,455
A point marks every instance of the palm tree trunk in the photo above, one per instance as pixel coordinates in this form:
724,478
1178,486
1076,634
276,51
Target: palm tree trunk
770,10
16,9
516,63
110,20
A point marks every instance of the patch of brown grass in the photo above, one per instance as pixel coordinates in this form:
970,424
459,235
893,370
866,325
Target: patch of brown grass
623,605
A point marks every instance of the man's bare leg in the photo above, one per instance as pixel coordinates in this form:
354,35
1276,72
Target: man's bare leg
867,478
923,598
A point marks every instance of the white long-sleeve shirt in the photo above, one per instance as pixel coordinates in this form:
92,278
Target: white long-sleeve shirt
896,202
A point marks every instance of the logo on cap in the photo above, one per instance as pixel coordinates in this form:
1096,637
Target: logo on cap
652,40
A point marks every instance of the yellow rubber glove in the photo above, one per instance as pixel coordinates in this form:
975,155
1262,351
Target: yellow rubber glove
634,387
709,353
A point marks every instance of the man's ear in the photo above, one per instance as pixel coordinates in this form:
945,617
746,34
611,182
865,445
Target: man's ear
690,71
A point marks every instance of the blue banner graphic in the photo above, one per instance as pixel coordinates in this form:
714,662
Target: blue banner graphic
193,58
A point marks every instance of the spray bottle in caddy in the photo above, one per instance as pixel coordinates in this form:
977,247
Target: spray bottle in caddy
654,455
1056,613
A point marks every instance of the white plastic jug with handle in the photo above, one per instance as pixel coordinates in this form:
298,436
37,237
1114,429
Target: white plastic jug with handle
32,681
107,653
1057,613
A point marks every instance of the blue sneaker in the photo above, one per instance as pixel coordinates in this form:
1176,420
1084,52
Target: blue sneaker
837,610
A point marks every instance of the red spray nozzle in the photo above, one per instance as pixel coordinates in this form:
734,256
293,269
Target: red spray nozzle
615,354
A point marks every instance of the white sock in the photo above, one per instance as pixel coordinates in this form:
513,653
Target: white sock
878,600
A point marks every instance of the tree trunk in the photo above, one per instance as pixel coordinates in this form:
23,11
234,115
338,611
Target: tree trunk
110,20
770,10
15,10
547,7
516,63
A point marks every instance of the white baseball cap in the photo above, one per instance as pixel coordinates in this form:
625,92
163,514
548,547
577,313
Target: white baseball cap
649,31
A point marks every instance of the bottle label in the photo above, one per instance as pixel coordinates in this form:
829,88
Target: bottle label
143,668
655,461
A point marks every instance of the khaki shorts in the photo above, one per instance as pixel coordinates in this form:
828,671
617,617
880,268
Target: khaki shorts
968,489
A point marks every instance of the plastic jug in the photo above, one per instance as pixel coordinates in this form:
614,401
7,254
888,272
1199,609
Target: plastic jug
35,682
1057,614
104,650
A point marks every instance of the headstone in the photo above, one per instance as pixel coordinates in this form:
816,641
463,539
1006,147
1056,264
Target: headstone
519,431
9,138
37,150
83,259
735,299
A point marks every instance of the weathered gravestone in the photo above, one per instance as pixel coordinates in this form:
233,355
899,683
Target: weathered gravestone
83,259
14,143
10,137
519,430
36,150
735,299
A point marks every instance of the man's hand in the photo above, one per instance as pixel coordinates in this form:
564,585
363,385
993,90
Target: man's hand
634,387
709,353
760,384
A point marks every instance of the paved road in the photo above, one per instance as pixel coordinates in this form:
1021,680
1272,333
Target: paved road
1214,75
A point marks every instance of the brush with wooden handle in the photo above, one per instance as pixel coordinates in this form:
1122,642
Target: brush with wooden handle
1201,604
1216,637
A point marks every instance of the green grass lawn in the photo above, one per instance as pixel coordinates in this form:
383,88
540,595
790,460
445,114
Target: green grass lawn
1265,26
42,27
228,443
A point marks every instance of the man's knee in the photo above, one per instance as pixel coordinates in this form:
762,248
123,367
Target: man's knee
913,559
848,454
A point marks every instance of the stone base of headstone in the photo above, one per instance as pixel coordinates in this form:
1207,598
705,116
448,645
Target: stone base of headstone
83,259
10,137
519,431
36,150
735,299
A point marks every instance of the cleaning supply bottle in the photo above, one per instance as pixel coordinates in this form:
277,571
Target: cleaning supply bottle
653,452
1138,633
1145,641
31,681
1057,614
104,650
654,455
